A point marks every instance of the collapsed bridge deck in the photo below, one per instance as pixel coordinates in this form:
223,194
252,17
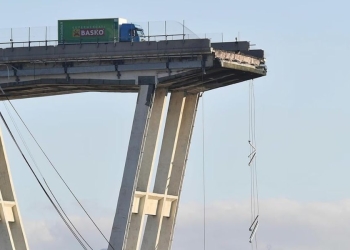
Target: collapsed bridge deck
195,65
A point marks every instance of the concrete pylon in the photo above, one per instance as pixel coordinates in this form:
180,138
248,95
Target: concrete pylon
12,235
136,201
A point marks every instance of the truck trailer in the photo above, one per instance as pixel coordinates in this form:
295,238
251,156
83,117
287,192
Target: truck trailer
106,30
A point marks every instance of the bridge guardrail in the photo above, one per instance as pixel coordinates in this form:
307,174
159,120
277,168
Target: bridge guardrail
48,35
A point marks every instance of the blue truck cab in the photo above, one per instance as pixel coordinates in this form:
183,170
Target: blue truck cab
129,32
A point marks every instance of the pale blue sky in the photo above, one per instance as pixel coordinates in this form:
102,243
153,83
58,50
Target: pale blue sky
302,110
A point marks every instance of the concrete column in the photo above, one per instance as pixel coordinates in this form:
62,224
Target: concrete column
178,169
135,199
151,140
136,146
134,236
167,153
12,235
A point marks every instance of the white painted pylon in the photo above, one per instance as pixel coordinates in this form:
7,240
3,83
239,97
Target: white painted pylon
12,235
131,230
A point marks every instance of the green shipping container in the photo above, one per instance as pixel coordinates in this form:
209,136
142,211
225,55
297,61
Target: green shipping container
88,30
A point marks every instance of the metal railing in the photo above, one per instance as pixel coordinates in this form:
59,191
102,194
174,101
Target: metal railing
48,35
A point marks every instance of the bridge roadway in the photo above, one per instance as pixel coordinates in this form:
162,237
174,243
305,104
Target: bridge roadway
188,65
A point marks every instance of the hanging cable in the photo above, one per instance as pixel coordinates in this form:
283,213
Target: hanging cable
255,171
31,156
46,156
254,195
42,187
203,169
69,189
37,167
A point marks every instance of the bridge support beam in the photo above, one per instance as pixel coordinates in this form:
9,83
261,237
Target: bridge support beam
12,235
121,222
176,173
145,220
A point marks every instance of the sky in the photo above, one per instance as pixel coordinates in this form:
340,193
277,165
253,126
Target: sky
302,121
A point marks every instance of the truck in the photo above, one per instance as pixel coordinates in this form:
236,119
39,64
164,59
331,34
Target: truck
107,30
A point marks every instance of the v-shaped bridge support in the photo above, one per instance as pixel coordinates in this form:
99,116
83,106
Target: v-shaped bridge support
131,230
